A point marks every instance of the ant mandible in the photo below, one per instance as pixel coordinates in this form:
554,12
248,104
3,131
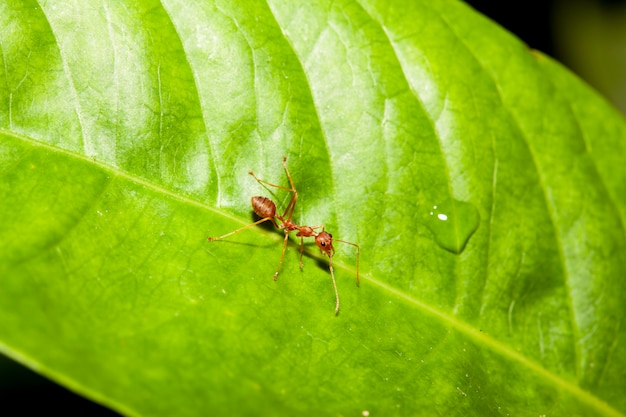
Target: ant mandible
266,209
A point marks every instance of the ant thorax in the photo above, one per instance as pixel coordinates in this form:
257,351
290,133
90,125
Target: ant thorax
306,231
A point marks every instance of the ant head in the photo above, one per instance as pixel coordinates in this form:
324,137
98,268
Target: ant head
324,241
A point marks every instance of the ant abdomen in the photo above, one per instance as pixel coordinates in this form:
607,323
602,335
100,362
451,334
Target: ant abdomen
263,207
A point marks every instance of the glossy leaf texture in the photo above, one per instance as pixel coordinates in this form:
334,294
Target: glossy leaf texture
484,183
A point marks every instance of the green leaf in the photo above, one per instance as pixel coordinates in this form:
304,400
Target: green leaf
483,182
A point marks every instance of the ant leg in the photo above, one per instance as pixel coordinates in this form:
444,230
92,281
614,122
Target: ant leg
332,275
241,229
293,187
292,204
282,255
269,183
301,251
294,196
358,255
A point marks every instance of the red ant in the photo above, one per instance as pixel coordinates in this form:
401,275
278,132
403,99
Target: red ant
266,209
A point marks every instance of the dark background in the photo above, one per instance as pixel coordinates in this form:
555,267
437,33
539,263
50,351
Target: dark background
540,24
587,36
530,20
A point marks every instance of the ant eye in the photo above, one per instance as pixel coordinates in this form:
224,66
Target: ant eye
323,243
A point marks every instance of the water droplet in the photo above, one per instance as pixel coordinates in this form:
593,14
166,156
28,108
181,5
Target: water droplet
452,223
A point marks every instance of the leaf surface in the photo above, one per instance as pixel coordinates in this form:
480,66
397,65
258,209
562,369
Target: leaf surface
482,181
